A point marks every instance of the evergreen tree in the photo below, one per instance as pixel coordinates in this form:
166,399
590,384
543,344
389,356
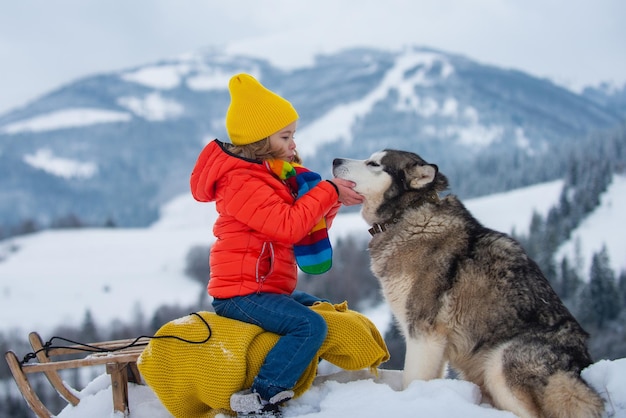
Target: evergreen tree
27,226
197,264
14,407
601,302
110,223
197,267
566,219
542,242
89,330
350,278
532,243
621,287
69,221
569,280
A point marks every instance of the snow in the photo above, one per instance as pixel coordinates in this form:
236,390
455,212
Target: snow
341,119
162,77
190,70
477,134
66,118
210,79
521,140
44,159
152,107
441,398
338,122
52,277
513,210
605,226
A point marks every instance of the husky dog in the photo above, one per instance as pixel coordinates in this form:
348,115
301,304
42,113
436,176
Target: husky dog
466,295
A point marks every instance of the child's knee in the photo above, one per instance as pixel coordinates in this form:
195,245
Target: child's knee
319,328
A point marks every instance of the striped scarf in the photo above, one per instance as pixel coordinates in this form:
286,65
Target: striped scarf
313,253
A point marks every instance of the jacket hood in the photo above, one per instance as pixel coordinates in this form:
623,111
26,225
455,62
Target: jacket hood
214,162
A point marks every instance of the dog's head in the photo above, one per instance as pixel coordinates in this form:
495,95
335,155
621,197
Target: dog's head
391,181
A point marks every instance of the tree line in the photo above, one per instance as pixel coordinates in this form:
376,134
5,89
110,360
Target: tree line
598,296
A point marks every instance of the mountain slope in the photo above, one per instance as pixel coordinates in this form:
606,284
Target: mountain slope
114,147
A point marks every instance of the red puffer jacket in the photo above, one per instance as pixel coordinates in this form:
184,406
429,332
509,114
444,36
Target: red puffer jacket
259,221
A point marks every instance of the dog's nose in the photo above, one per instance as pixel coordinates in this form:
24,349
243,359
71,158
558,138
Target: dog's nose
337,162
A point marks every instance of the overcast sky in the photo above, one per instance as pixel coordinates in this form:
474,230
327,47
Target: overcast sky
45,44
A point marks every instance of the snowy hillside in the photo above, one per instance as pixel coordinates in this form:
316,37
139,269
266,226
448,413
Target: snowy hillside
54,276
605,226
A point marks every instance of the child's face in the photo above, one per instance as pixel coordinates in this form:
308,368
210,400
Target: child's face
283,144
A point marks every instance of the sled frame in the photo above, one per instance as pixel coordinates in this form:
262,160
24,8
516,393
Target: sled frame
120,362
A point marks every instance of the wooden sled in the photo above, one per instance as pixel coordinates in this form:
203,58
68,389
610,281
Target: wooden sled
120,362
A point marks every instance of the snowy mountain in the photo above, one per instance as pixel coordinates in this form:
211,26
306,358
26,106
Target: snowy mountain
53,277
608,95
115,147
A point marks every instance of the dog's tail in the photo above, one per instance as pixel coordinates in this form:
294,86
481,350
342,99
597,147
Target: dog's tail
567,395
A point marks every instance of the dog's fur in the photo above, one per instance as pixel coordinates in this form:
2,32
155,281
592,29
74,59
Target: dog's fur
468,296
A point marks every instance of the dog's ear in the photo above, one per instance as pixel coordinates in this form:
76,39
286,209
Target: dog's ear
421,175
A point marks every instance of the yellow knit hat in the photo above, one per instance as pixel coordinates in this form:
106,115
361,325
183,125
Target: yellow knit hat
255,112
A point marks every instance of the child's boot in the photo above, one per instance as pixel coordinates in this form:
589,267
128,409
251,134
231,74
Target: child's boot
249,404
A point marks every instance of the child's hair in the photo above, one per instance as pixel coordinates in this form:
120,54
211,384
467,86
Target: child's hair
259,150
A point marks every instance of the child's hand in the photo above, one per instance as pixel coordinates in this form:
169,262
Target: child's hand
347,196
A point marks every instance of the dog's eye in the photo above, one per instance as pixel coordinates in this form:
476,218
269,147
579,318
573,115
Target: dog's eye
373,164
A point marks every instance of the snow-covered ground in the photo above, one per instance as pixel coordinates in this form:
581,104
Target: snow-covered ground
442,398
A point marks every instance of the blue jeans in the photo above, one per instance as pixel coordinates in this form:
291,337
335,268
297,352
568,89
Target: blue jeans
302,333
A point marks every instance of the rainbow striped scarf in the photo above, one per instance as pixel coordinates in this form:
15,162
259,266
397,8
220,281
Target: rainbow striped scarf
313,253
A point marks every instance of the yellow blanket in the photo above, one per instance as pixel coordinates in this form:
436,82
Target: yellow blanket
196,380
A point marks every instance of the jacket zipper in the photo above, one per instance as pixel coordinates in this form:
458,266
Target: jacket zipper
267,246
